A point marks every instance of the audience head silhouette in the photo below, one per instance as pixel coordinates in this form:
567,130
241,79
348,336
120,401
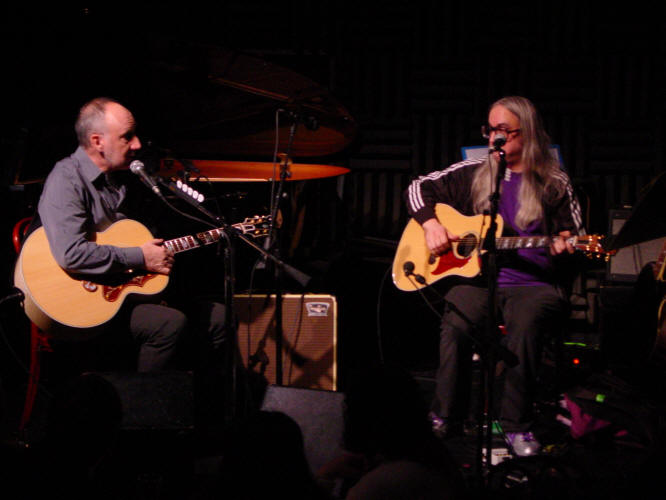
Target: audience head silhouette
385,413
265,457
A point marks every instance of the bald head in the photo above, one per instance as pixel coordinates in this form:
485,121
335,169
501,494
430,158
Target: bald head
92,119
106,130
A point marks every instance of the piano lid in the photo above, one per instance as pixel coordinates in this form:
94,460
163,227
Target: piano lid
198,100
220,103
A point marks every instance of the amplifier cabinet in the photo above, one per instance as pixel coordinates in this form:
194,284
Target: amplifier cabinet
627,263
309,338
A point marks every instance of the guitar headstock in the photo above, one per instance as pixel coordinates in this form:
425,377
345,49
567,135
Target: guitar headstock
592,246
257,226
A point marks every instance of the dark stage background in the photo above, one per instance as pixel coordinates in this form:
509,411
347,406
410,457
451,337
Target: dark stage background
416,77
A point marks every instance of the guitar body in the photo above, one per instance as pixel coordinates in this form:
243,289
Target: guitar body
464,259
658,354
73,307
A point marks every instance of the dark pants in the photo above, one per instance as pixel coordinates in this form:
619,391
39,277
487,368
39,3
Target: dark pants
160,331
152,337
529,314
196,339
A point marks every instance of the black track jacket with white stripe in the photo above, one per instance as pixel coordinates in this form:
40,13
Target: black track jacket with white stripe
453,186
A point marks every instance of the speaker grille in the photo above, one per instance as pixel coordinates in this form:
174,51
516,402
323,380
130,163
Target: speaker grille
162,400
318,413
309,338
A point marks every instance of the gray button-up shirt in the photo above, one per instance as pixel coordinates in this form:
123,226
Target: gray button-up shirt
79,200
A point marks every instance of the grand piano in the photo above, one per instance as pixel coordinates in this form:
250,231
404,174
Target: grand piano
191,100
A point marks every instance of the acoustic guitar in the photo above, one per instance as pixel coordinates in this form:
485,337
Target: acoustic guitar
71,306
658,353
414,267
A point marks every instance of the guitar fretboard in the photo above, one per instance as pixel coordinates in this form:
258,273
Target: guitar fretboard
589,244
189,242
585,243
515,242
255,227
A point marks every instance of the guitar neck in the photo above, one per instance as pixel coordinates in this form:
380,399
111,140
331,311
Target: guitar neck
252,226
190,242
517,242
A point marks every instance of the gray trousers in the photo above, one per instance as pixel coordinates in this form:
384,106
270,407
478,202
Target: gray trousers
529,314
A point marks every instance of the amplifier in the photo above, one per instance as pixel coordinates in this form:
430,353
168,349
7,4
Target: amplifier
309,338
626,264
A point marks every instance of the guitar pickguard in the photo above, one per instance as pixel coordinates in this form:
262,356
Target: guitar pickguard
461,253
447,262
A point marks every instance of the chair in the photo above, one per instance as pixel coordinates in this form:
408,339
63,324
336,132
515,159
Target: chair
39,341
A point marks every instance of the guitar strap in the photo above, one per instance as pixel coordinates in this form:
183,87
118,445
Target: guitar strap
564,273
562,279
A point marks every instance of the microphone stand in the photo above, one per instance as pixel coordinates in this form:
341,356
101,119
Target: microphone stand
490,349
274,241
229,272
229,269
490,358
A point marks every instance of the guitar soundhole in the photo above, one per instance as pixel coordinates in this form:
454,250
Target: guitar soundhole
466,245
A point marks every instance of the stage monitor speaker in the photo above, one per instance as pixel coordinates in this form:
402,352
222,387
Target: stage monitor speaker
318,413
309,338
155,401
626,264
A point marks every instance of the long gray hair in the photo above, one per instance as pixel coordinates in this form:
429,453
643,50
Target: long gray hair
540,166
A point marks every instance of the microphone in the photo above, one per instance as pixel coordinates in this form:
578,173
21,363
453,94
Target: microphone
499,141
137,168
408,267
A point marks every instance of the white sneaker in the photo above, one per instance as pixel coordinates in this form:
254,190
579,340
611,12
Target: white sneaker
524,444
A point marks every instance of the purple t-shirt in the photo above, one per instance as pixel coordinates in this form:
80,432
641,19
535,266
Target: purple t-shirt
525,268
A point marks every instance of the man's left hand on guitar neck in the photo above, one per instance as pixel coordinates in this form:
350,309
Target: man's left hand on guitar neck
156,257
561,244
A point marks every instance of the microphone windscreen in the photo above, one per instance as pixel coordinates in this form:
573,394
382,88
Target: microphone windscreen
136,166
499,140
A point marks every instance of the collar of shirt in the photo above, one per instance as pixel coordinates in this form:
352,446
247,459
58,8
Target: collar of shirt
86,166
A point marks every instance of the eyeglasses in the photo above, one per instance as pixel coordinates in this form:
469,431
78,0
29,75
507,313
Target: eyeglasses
486,130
